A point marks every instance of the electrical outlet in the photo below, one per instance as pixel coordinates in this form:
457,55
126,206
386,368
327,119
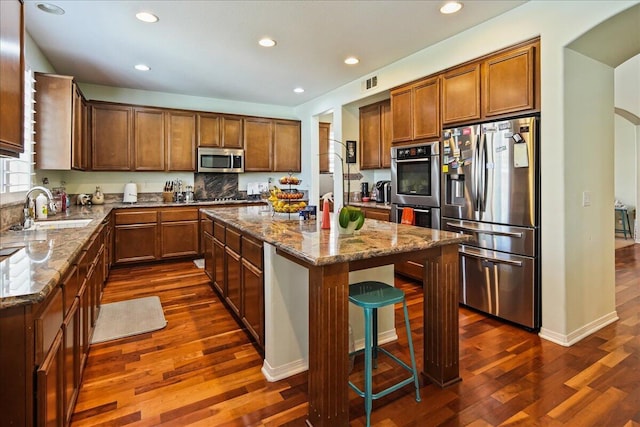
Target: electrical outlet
586,198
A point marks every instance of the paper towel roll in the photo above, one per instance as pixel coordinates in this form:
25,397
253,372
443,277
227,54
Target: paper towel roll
130,193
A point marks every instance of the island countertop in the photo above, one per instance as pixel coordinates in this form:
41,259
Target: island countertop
306,240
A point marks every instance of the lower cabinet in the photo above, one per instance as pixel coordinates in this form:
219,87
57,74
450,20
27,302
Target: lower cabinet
234,293
178,232
50,385
219,263
253,288
71,329
135,236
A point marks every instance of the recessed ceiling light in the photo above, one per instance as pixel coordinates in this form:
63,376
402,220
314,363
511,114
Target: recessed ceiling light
298,90
451,7
352,60
267,42
142,67
50,8
147,17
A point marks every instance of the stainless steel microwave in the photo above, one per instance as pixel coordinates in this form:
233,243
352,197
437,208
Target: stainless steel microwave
220,160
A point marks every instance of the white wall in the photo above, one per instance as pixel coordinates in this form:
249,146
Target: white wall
563,312
626,162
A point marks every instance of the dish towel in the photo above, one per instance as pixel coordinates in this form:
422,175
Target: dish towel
408,216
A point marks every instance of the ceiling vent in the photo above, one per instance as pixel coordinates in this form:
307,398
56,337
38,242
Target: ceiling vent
369,83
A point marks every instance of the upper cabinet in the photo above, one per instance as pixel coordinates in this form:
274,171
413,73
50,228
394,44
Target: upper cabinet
60,123
271,145
111,136
11,77
415,109
461,94
323,149
375,135
509,81
149,139
219,130
497,85
181,141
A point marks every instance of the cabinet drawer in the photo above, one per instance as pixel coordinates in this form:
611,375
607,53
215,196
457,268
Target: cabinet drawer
232,238
136,217
218,232
179,215
47,325
252,251
70,287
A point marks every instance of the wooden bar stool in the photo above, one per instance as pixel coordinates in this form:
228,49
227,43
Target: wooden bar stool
372,295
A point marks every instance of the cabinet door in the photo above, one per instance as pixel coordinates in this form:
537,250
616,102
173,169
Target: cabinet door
181,141
258,145
370,136
379,214
148,141
461,94
402,113
323,149
231,134
11,77
385,135
55,111
286,146
253,300
50,392
85,324
219,263
426,109
509,82
208,130
209,266
71,329
234,295
179,239
111,129
135,243
78,141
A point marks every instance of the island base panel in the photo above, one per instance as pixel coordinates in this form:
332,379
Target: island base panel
441,290
328,345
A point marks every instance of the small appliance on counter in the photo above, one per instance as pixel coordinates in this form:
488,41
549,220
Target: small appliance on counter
130,193
383,189
257,190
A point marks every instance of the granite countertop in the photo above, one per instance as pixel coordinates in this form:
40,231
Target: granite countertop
307,241
376,205
29,275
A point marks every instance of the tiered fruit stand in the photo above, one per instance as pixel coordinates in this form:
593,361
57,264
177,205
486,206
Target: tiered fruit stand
288,199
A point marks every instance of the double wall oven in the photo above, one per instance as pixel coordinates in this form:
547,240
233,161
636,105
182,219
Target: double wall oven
415,183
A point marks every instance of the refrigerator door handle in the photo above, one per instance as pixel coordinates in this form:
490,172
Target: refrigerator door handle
474,174
482,175
479,230
480,256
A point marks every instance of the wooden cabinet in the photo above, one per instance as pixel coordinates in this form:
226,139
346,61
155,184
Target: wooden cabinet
253,288
209,265
258,145
461,94
60,123
164,140
11,77
218,130
233,279
135,235
509,82
111,137
178,232
375,135
323,149
377,213
50,385
219,267
286,146
271,145
149,139
181,141
415,111
71,331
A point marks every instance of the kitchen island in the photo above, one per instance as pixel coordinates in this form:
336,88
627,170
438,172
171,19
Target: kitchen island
328,258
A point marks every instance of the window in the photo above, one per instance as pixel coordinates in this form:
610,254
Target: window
15,173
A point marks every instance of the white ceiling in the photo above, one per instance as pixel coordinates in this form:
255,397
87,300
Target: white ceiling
209,48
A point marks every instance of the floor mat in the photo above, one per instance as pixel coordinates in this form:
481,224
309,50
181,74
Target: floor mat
125,318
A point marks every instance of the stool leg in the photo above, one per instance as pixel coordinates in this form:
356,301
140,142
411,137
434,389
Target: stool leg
368,387
413,358
375,338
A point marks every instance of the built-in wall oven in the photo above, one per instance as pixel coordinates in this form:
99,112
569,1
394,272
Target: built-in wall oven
415,174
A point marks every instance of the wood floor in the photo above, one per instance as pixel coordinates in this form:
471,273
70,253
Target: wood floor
202,369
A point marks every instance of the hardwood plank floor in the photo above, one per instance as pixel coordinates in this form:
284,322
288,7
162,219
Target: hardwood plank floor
202,369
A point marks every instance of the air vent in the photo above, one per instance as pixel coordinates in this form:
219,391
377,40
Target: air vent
370,83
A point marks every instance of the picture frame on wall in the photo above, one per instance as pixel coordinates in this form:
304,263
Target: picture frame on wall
351,152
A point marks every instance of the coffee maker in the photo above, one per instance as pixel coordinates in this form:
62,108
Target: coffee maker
382,188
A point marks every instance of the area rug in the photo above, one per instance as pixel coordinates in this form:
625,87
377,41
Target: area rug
199,262
127,318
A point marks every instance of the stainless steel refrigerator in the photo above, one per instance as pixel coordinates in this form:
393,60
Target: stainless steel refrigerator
490,190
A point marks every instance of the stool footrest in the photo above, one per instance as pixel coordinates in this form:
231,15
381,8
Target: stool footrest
392,388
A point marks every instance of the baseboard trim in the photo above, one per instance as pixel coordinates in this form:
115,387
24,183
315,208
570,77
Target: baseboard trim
285,371
580,333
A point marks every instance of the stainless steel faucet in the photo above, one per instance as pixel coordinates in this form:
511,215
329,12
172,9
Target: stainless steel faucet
28,216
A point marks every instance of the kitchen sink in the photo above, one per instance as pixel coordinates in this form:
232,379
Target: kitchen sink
7,252
63,223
